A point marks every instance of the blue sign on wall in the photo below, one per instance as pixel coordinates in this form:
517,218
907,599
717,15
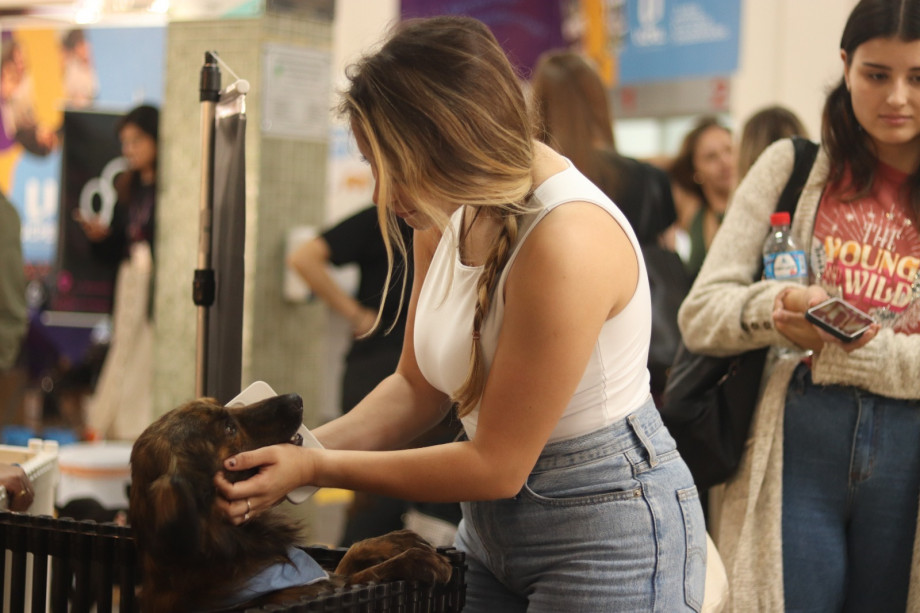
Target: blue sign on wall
679,39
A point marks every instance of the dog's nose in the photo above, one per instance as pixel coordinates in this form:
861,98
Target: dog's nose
293,400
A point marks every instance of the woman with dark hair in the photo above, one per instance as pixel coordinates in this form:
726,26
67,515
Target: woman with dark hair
704,176
822,514
121,405
529,313
135,187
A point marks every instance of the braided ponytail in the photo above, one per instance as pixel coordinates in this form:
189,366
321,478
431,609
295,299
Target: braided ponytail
469,393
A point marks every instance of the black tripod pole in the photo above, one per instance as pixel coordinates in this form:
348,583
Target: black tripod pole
203,288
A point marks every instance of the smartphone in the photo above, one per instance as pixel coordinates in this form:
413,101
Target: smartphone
840,318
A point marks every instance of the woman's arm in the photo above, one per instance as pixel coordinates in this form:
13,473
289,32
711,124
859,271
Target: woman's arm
404,405
311,261
576,270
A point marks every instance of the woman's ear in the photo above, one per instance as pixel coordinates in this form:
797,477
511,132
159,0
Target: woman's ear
846,68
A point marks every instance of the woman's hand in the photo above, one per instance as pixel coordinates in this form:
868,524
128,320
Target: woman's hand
94,230
362,321
281,469
19,489
789,320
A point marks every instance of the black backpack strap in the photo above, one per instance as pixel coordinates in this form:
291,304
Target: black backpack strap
805,153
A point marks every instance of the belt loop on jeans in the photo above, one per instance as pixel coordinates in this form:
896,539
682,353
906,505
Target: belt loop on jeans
646,442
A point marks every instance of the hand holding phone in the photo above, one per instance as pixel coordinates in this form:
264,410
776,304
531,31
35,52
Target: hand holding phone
840,318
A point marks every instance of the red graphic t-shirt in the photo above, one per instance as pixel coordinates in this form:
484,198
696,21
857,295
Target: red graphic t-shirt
871,251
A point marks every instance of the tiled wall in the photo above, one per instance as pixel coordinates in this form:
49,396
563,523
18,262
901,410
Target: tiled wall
285,184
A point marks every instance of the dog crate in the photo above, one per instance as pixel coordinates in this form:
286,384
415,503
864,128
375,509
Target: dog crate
82,566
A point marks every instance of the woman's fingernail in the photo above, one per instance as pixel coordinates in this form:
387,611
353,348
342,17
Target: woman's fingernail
231,462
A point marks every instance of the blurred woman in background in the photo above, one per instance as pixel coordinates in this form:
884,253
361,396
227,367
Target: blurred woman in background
703,175
762,129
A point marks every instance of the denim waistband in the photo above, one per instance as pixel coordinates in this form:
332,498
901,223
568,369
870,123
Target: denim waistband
615,438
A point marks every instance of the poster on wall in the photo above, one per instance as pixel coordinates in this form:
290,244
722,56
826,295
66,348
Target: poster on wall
43,74
679,39
295,92
92,159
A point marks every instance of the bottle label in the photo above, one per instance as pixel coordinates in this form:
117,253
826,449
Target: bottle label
785,266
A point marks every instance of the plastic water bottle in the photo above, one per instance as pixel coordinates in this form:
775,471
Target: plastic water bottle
783,260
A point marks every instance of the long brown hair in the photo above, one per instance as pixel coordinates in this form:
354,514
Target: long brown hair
445,119
682,170
574,116
764,127
847,144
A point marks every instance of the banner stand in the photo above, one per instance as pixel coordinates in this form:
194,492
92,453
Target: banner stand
217,288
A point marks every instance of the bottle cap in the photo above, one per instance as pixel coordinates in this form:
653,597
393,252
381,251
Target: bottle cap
780,219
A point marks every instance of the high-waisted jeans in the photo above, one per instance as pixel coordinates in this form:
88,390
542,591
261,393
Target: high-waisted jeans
851,480
607,521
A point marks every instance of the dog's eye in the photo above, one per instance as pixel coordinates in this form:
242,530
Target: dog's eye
230,429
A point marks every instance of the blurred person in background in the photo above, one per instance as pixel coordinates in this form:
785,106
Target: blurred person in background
13,325
762,129
14,316
121,406
703,176
14,312
375,349
574,118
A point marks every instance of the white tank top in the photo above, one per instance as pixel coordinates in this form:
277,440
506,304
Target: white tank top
616,380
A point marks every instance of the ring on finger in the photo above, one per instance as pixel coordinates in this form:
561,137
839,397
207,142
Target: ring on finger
246,517
248,506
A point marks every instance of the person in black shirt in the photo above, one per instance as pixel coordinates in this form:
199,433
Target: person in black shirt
372,356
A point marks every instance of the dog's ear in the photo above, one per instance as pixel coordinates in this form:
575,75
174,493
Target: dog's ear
175,516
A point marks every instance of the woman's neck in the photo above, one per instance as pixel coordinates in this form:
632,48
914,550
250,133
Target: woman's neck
148,176
715,201
478,231
904,157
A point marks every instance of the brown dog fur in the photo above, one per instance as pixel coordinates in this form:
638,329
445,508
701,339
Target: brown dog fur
192,557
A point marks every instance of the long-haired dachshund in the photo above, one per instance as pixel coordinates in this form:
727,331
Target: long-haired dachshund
193,559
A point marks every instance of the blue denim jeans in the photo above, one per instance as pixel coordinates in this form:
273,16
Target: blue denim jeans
851,480
608,521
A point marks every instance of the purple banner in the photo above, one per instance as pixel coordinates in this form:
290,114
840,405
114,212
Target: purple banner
524,28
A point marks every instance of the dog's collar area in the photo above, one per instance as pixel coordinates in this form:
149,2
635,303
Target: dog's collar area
301,570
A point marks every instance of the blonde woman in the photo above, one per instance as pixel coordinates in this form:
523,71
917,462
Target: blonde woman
530,312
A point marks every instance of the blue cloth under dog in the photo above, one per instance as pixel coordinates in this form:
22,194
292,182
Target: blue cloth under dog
301,570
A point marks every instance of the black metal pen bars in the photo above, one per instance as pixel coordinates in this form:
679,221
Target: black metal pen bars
63,565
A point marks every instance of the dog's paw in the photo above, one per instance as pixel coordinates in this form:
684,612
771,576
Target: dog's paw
416,564
375,550
429,566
